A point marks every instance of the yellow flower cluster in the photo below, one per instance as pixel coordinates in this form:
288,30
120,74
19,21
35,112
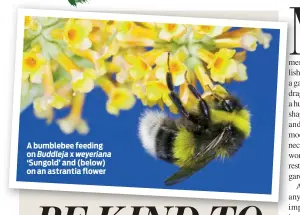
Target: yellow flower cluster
64,59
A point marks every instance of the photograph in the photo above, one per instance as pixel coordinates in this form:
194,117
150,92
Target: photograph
148,105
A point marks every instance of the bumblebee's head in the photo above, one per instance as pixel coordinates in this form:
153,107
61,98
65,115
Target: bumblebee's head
227,103
228,109
230,104
220,98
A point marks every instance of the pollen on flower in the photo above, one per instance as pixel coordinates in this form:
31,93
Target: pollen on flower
218,62
171,27
128,61
31,62
72,34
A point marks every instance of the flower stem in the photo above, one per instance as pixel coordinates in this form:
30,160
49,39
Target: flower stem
77,105
106,84
228,43
66,62
89,54
237,33
48,81
203,78
205,55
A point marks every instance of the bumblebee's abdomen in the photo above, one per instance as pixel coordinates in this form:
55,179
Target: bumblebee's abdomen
162,138
157,133
184,147
164,144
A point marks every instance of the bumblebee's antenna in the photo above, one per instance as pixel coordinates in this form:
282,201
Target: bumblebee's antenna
209,88
214,94
185,77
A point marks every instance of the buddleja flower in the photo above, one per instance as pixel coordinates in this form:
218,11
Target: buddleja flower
34,65
76,33
64,59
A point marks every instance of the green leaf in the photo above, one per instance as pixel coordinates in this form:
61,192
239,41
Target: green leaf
75,2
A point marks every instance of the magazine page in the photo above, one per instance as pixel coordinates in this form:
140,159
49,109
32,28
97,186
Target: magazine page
156,130
138,170
289,201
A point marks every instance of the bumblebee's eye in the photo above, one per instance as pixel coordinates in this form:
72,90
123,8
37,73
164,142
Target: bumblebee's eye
231,104
228,105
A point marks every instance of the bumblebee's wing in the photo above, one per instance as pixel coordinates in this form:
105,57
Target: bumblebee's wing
222,137
185,171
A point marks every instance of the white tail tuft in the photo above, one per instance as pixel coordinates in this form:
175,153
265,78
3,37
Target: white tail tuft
149,125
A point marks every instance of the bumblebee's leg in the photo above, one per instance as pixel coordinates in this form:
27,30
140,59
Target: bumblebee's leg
173,96
203,105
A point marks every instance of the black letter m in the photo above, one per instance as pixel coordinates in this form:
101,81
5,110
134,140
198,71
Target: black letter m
296,17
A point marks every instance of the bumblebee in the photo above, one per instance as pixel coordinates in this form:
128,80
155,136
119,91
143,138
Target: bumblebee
215,129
